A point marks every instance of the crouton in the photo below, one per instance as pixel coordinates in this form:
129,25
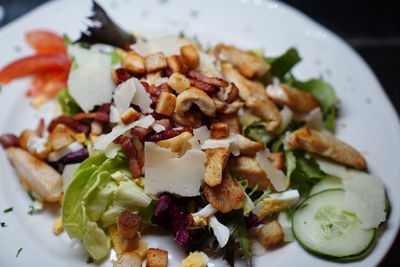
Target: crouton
166,104
156,258
129,116
178,144
151,78
226,196
134,62
155,62
219,130
249,169
174,64
178,82
60,137
216,161
129,259
189,52
128,224
326,145
271,235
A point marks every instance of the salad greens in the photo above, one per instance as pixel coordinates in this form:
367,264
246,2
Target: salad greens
68,105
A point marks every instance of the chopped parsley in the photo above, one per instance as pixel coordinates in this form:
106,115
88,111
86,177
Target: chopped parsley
19,251
32,210
3,224
10,209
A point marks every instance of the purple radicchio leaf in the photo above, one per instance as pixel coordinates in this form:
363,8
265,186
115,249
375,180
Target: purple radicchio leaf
77,156
252,220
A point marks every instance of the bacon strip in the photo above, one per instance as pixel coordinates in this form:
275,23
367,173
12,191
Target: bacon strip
68,121
208,88
131,152
8,140
99,116
233,94
215,81
167,134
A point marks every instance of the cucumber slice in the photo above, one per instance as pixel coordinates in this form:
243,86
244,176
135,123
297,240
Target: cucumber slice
330,182
321,227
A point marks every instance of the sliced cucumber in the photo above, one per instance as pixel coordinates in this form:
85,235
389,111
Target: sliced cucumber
322,228
330,182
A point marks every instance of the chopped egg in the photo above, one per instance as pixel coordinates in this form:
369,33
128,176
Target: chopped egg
201,217
195,259
221,232
276,202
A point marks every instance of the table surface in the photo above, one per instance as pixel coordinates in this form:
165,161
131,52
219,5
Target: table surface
372,29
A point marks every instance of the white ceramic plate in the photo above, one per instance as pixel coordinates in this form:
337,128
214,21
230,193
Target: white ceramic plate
368,120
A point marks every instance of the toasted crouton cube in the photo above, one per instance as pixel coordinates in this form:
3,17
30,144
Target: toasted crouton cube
60,137
178,144
166,104
128,224
155,62
173,63
156,258
151,78
189,52
271,235
120,243
216,161
178,82
129,116
134,62
278,159
219,130
129,259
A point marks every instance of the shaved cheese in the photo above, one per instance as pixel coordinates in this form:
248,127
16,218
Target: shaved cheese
200,135
168,45
90,84
112,150
221,232
141,97
215,143
165,172
160,81
209,65
158,127
314,120
57,155
123,95
114,114
102,142
286,118
277,177
332,168
286,140
364,195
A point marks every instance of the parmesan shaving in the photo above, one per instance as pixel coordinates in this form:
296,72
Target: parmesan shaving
141,97
123,95
277,177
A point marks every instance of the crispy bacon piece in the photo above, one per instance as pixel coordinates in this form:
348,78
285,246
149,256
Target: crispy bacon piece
140,132
233,94
105,108
68,121
208,88
99,116
8,140
167,134
131,152
205,79
40,128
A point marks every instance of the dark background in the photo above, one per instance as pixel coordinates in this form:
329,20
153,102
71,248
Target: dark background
372,28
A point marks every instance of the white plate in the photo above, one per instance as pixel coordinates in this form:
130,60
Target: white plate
368,120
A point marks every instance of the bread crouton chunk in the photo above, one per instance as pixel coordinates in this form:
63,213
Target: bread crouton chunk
219,130
166,104
271,235
156,258
155,62
134,62
216,161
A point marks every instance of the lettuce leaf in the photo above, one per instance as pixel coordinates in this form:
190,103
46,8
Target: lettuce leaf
68,105
282,65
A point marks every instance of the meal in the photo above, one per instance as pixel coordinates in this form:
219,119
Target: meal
223,148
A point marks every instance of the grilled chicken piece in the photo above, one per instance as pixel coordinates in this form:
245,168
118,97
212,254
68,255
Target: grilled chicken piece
232,120
216,161
248,147
42,179
226,196
249,169
254,95
248,64
299,101
326,145
271,235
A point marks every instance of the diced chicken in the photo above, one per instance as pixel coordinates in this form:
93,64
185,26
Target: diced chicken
228,108
278,159
248,63
178,82
271,235
248,147
178,144
155,62
60,138
42,179
128,259
194,96
255,97
233,122
134,63
226,196
249,169
219,130
216,161
128,224
295,99
326,145
156,258
166,104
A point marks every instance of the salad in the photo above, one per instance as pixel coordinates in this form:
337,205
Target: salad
224,149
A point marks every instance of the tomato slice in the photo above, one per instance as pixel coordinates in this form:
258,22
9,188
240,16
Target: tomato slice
45,42
34,64
48,84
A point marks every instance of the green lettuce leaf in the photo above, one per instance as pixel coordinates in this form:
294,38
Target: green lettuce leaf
283,64
95,240
129,196
68,105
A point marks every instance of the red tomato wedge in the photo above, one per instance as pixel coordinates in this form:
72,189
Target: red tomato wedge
48,84
33,65
45,42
